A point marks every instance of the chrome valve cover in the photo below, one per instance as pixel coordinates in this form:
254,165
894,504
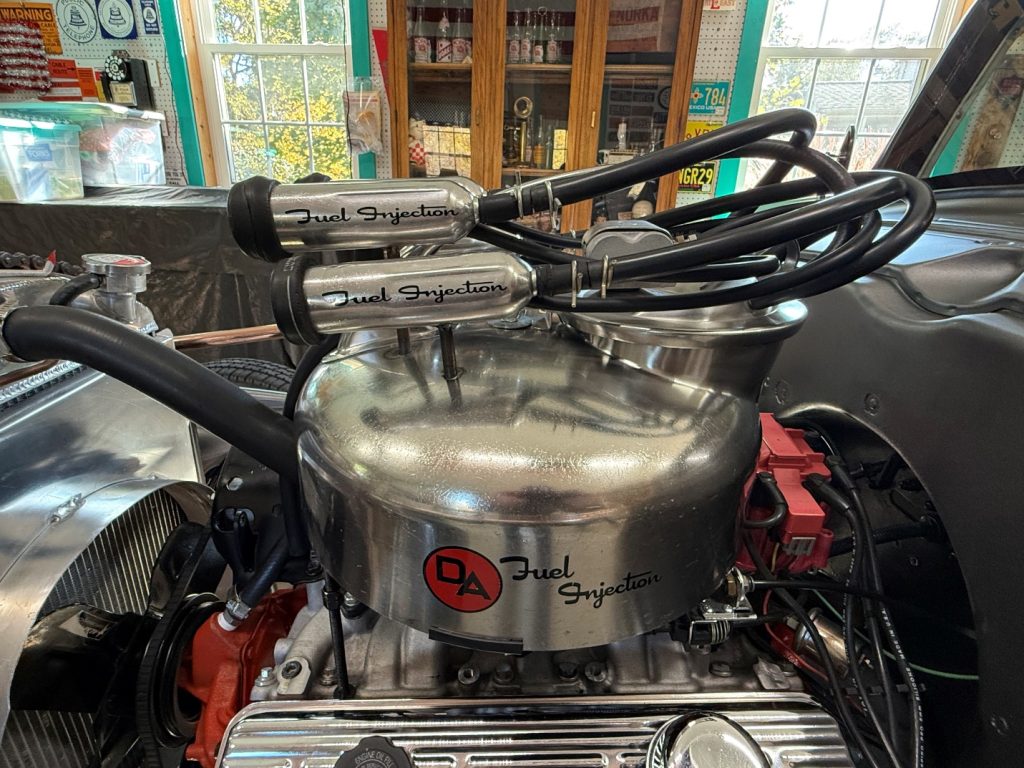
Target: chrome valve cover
595,732
550,497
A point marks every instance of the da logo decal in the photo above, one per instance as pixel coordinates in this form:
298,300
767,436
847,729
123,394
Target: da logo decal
462,579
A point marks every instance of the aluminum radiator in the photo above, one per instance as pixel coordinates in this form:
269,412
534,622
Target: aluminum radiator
112,573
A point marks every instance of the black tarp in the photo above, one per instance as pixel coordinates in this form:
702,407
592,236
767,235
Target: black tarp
200,280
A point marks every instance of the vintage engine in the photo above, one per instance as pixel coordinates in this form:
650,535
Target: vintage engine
574,485
524,507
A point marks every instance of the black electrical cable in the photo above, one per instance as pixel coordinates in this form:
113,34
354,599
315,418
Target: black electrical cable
527,247
926,529
780,507
842,477
860,558
570,188
554,239
168,376
839,696
74,288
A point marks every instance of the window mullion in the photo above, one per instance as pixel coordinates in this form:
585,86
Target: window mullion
309,115
263,111
878,24
821,26
302,22
863,102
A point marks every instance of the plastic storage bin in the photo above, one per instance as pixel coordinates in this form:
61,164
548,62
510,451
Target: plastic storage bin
119,146
39,160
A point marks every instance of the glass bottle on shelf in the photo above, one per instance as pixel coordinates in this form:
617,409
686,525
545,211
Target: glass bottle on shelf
514,40
421,44
553,53
539,37
460,39
526,45
444,40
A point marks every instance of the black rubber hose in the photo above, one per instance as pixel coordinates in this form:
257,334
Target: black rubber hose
570,188
737,242
780,508
291,498
157,370
751,198
265,575
852,202
74,288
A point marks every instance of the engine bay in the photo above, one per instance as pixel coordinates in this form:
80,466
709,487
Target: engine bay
525,499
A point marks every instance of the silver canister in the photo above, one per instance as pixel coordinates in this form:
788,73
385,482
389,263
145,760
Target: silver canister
408,292
549,498
373,214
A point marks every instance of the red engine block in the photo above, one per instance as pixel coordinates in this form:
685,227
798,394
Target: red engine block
801,541
221,666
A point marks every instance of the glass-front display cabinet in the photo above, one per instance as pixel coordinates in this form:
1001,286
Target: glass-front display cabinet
505,91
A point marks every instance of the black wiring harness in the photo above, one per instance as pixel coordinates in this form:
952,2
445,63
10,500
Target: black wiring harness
723,239
865,604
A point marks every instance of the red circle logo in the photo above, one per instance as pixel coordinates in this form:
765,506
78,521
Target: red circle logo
462,579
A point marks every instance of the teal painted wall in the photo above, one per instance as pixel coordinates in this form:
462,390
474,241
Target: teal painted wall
182,92
743,84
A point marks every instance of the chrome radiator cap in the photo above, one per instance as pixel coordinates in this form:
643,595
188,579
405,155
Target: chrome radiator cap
548,498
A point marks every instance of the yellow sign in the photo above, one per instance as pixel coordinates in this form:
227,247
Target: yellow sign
38,13
695,128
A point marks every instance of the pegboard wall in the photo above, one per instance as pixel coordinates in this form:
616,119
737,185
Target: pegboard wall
87,36
378,12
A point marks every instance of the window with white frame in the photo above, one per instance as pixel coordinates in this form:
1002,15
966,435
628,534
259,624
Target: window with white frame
274,76
852,63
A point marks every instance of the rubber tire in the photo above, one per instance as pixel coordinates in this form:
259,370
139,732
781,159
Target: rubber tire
250,372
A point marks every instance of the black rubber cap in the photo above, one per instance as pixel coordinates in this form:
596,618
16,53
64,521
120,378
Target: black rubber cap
288,300
374,752
251,220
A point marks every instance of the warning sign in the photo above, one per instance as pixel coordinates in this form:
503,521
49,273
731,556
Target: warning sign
40,14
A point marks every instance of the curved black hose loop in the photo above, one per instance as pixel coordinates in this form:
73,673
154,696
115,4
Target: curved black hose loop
738,242
157,370
780,507
265,575
74,288
570,188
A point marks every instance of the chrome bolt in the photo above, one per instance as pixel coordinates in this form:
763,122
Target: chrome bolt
595,672
872,403
349,601
265,677
234,483
721,669
468,674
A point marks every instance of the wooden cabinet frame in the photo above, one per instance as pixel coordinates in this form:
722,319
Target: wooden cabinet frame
586,86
